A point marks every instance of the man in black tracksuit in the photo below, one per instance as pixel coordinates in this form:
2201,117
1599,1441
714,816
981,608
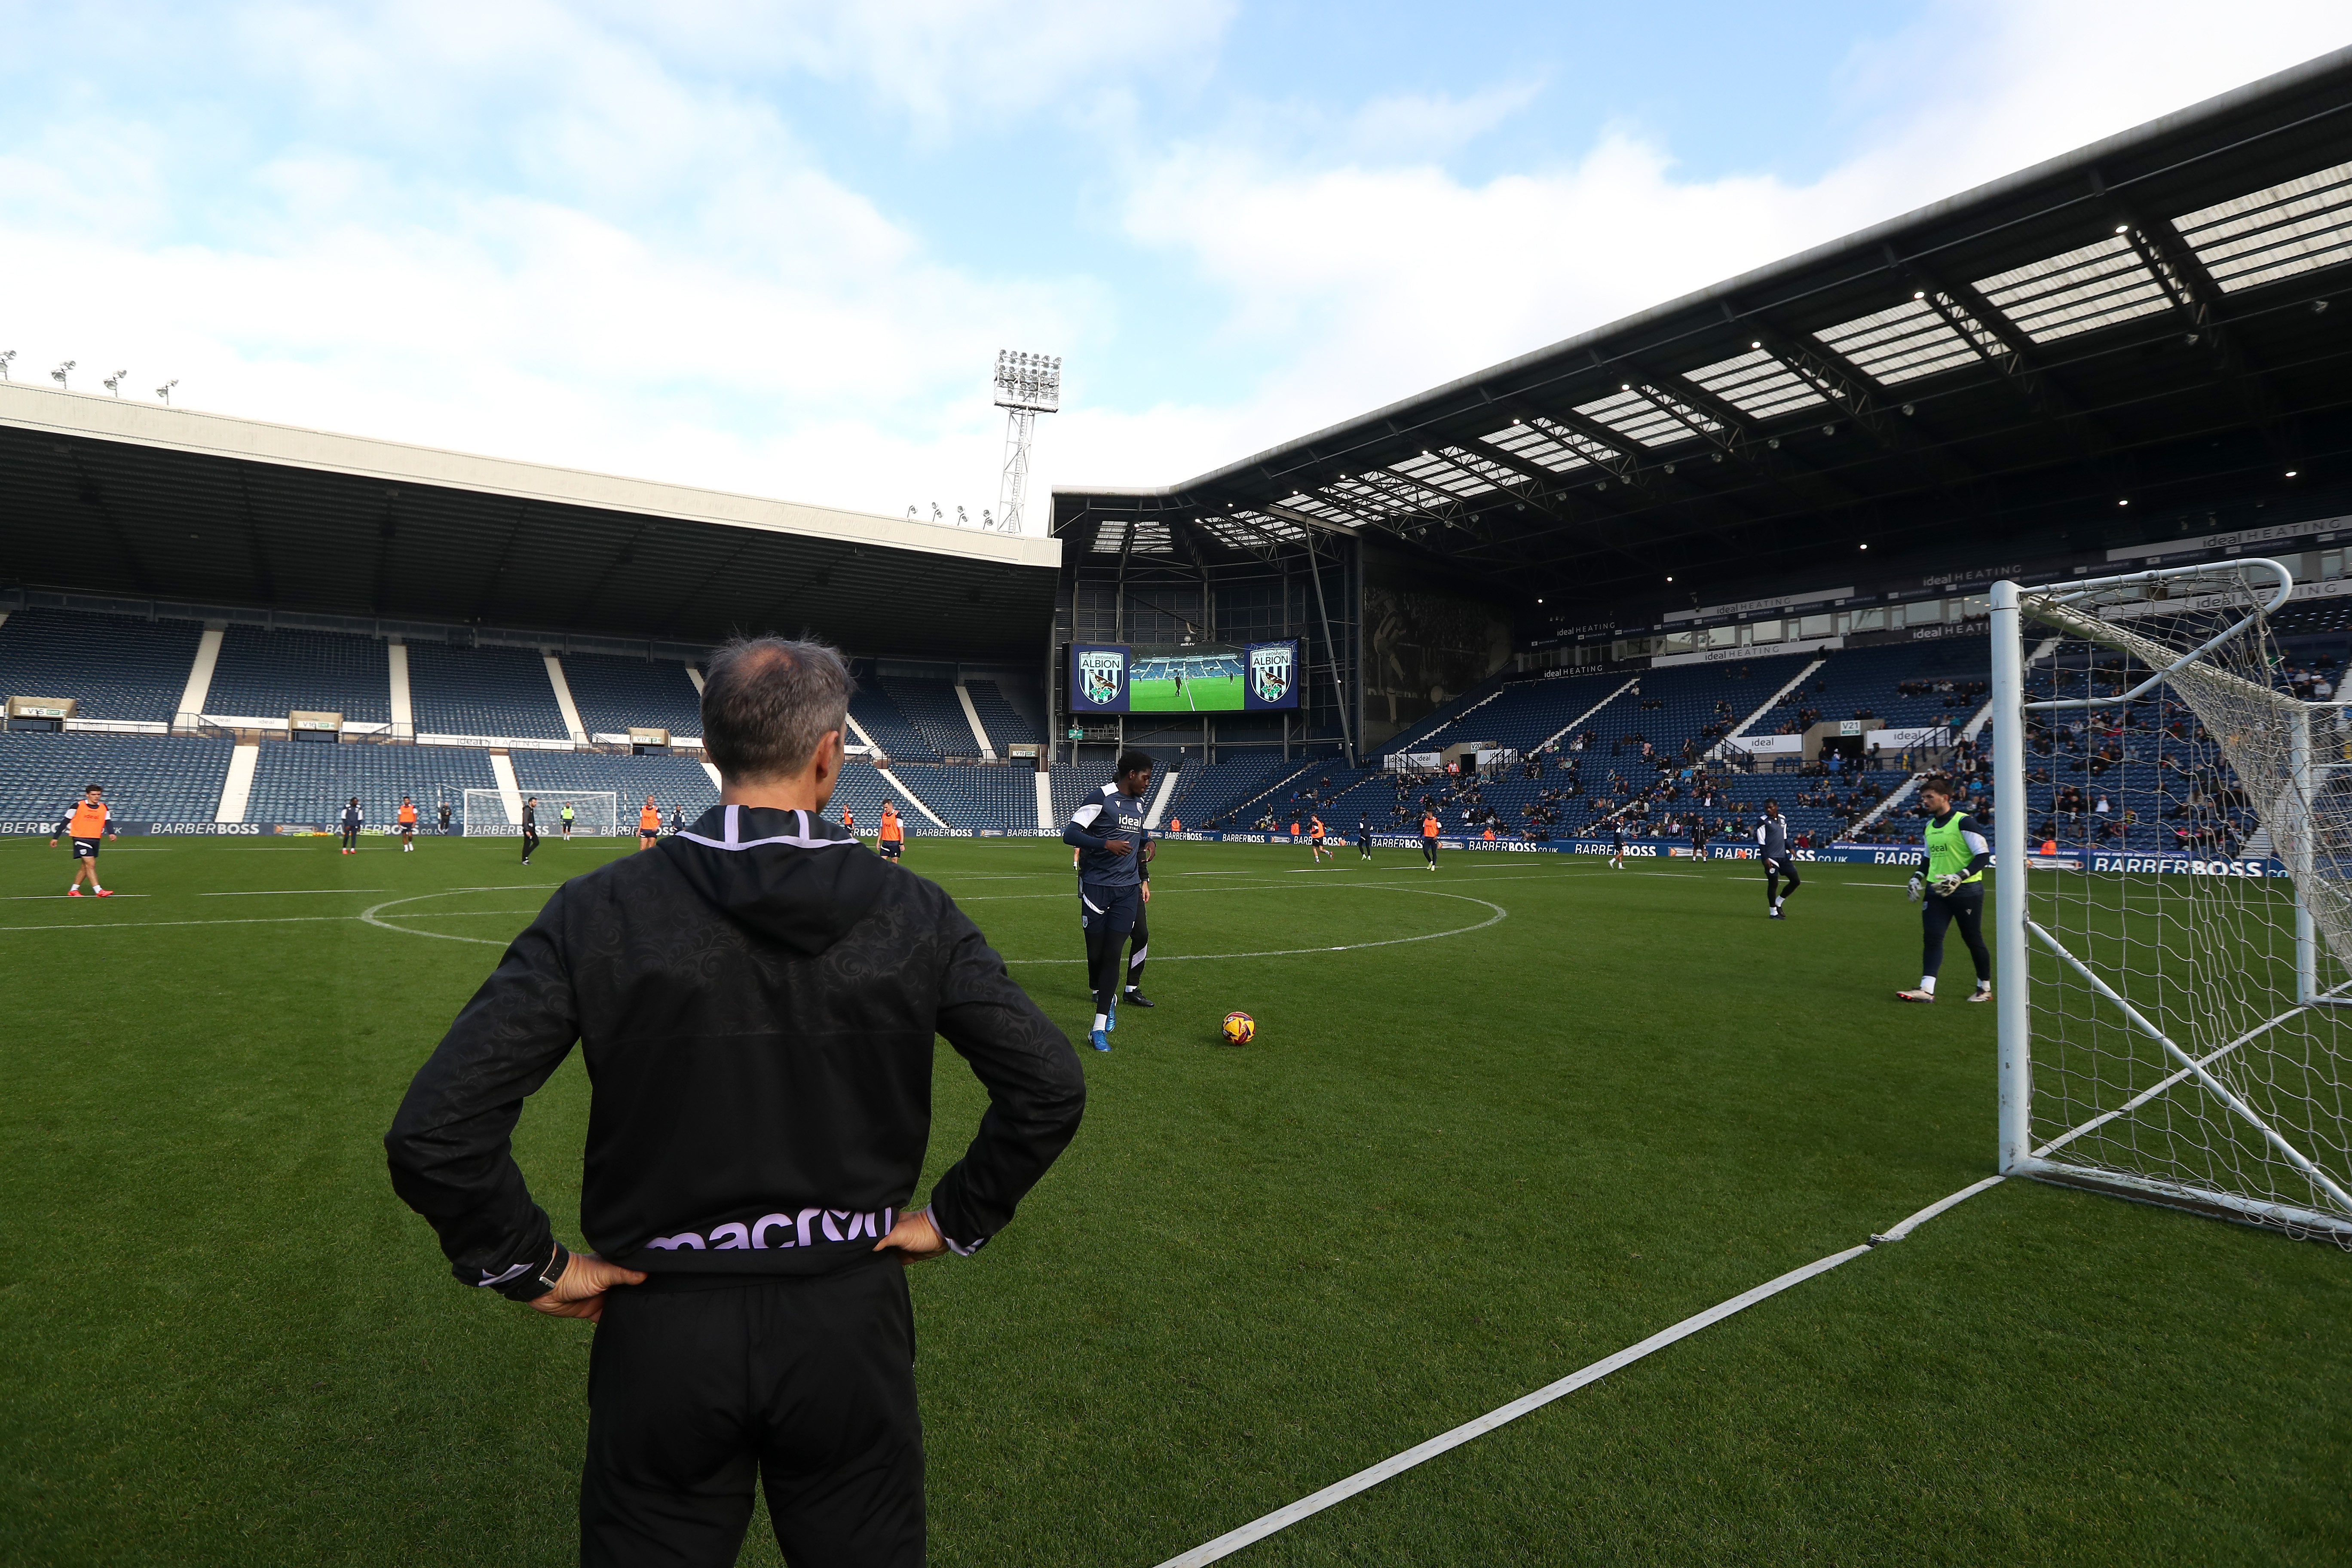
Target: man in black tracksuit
756,1001
1780,860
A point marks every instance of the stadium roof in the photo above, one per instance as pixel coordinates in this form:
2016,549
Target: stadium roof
140,500
2147,321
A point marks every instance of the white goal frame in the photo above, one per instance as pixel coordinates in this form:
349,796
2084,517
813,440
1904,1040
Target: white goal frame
486,815
2020,944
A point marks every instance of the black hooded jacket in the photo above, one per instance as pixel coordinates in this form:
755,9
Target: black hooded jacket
756,999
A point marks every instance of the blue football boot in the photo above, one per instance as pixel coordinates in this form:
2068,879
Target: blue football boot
1098,1039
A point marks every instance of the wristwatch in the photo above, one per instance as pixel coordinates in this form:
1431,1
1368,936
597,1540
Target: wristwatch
557,1262
531,1287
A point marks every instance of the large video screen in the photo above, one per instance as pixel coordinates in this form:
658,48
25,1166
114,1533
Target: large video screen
1117,678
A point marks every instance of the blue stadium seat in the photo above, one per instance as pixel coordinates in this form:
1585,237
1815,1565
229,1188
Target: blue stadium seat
298,783
880,719
496,692
1004,723
263,674
148,778
673,782
120,666
614,694
932,711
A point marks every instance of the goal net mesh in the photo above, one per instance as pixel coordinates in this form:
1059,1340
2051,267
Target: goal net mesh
2191,985
596,814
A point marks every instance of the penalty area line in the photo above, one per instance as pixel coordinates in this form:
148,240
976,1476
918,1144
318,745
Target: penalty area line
1281,1519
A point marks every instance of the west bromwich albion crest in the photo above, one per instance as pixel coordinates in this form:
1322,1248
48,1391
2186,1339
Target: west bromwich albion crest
1270,672
1100,675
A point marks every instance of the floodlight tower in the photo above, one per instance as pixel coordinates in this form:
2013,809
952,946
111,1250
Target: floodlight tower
1027,384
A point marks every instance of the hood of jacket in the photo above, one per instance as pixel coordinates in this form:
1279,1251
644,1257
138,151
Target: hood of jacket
795,877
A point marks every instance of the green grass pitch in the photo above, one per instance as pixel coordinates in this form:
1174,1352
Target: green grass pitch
1449,1171
1202,694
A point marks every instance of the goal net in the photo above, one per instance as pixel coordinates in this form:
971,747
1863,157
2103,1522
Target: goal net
2176,968
596,814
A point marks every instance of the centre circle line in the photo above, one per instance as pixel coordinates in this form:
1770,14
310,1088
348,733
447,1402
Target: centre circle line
1500,913
369,915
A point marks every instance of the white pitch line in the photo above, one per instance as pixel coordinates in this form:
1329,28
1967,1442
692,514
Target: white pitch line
39,898
150,925
1500,913
1257,1530
286,892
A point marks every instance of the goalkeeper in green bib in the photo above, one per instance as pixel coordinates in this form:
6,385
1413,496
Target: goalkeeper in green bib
1951,888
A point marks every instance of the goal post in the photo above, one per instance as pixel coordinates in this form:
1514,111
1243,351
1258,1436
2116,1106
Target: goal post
595,815
2172,898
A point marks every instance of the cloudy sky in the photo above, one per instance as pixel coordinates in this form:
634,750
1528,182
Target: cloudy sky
773,247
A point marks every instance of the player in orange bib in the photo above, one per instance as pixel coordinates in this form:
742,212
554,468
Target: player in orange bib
85,822
1314,841
649,825
407,825
891,838
1429,827
848,823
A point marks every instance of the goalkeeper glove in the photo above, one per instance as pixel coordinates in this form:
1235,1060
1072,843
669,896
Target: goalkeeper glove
1948,882
1919,885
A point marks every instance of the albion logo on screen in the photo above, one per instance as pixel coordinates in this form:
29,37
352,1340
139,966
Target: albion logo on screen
777,1230
1270,672
1100,675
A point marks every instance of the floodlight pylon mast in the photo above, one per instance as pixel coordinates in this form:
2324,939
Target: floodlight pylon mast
1027,384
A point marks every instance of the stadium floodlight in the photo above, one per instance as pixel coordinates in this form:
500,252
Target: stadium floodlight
2175,976
1027,384
113,383
5,355
937,515
164,391
59,374
962,519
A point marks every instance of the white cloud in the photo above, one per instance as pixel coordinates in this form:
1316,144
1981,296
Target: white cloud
1376,279
945,64
589,238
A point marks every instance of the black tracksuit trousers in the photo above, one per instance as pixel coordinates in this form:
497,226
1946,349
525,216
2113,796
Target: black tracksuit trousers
696,1386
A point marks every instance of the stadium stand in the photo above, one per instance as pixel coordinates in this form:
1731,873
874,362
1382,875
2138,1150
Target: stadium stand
862,791
1071,781
880,719
1005,724
498,692
674,781
970,795
1207,791
264,673
932,711
295,783
119,667
148,778
613,693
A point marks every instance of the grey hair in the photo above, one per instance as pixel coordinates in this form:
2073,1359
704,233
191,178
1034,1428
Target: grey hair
766,703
